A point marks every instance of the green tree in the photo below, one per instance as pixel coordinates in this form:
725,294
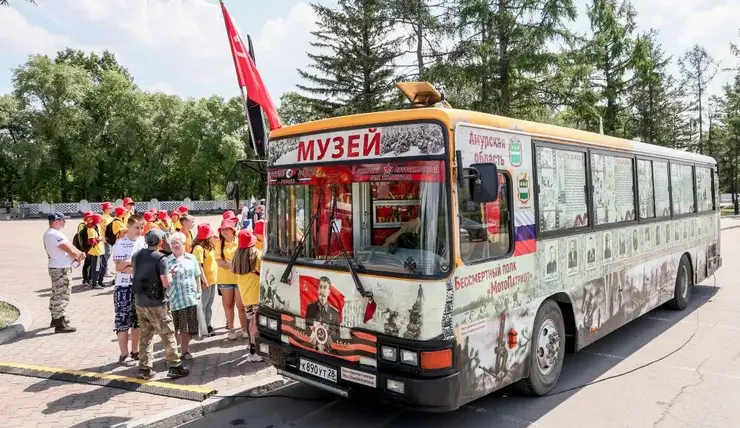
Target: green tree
502,63
611,51
7,2
422,24
698,69
353,59
295,109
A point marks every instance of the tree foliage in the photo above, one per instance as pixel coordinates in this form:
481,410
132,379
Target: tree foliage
77,127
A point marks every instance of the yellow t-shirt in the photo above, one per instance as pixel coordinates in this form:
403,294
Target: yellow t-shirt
81,226
208,260
188,240
249,284
164,226
119,227
126,216
176,224
225,276
107,218
99,248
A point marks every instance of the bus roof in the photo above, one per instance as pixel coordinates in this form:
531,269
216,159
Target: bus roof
453,117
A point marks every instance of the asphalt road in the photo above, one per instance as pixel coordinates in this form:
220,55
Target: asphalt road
697,386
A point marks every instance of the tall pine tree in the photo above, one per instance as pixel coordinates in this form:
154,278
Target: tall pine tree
353,61
611,51
698,69
502,62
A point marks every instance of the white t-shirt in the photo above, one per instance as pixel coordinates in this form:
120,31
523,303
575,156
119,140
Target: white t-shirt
123,250
58,258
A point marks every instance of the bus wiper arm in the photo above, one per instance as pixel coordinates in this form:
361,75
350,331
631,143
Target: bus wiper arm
345,253
285,278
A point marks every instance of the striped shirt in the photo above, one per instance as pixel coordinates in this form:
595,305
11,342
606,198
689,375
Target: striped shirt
183,292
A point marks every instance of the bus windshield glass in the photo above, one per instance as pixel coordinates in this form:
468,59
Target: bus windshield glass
389,217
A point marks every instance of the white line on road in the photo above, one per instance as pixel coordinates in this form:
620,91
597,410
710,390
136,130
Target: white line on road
641,361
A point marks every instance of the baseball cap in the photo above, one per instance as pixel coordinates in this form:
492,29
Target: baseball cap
153,237
56,216
127,201
106,205
120,211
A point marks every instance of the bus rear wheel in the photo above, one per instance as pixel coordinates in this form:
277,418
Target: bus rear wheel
684,284
547,351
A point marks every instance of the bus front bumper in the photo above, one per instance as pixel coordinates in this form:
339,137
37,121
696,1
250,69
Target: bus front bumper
438,394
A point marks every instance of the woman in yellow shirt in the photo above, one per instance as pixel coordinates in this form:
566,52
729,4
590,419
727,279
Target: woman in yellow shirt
246,266
227,281
203,250
96,251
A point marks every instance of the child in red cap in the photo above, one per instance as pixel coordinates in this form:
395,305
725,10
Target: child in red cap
246,266
96,251
203,245
259,232
87,217
163,222
149,218
227,280
108,210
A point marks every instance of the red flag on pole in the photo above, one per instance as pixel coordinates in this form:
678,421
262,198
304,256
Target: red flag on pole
247,75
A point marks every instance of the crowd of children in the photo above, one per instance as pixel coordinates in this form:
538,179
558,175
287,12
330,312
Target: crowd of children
227,262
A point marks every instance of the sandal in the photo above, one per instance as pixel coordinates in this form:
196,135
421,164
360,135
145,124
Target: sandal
126,361
135,356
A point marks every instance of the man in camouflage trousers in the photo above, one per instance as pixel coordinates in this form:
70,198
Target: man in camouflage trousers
151,279
63,256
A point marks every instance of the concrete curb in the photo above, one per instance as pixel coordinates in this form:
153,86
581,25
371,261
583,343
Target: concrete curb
20,326
190,412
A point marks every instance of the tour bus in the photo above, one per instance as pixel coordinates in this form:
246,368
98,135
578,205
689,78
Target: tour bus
433,255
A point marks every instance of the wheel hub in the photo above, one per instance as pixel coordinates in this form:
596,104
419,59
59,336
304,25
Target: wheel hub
548,347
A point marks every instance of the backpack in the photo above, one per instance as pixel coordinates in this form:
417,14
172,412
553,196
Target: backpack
80,241
111,237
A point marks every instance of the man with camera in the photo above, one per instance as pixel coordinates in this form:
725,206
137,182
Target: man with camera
151,279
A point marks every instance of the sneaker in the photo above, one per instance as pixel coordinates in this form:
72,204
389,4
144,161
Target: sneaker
211,331
254,358
233,334
186,356
126,361
134,356
177,371
245,335
98,286
146,374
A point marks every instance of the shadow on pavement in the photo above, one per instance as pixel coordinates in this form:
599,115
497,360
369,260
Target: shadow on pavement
504,408
101,422
83,400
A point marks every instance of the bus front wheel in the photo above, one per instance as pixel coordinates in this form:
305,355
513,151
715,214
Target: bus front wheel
684,283
547,351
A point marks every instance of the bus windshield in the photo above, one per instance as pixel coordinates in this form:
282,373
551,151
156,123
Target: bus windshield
386,216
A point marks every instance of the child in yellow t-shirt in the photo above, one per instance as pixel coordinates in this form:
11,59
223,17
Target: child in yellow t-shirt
246,266
203,250
96,251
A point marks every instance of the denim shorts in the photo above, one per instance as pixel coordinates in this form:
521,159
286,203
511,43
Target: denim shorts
227,286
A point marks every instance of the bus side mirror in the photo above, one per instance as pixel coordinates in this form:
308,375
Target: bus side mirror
482,182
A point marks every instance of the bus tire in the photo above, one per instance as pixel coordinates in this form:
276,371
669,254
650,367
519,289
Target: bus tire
547,351
684,284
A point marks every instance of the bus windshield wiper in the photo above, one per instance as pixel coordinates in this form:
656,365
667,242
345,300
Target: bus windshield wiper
345,253
285,278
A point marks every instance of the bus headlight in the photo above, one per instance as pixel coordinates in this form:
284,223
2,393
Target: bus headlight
409,357
394,386
272,324
389,353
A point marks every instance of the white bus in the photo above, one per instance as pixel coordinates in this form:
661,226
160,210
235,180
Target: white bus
394,262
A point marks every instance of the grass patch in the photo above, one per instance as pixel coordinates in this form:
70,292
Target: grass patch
8,314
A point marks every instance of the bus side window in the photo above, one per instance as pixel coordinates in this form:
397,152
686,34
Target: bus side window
485,228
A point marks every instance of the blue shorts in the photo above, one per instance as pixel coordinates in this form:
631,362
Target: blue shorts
227,286
123,303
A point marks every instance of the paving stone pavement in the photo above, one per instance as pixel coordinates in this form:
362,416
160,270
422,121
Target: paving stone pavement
26,401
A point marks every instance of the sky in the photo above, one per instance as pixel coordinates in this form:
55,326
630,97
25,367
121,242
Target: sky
180,46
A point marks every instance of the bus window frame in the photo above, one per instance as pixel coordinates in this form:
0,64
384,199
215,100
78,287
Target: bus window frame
444,157
559,233
712,170
635,195
671,162
657,218
512,233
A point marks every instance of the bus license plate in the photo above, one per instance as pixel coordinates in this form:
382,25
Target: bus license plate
318,370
